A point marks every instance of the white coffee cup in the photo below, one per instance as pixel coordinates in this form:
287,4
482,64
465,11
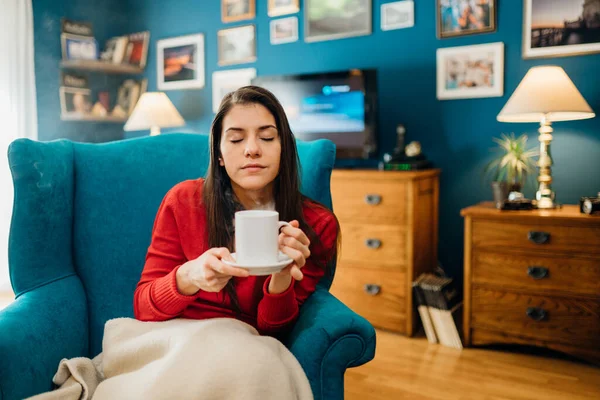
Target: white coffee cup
256,237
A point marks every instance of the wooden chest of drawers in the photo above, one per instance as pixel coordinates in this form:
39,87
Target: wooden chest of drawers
389,223
533,277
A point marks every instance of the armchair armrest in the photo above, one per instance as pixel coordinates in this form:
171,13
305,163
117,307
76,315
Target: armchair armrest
39,329
328,338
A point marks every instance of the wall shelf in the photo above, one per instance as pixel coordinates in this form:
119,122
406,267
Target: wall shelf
101,66
93,118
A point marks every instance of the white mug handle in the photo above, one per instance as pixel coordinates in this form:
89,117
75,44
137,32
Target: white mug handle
282,224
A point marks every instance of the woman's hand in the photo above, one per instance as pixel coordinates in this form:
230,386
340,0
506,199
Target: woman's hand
207,272
294,243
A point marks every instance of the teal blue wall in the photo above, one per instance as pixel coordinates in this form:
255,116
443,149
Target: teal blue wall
109,18
455,134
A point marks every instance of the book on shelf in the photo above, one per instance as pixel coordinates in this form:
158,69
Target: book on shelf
444,306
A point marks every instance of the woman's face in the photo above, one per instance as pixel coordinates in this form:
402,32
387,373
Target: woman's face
250,147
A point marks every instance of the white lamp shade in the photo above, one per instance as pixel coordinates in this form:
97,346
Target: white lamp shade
545,92
154,110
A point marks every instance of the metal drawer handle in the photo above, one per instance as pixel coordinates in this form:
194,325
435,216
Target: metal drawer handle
372,199
538,237
537,272
371,289
373,243
536,313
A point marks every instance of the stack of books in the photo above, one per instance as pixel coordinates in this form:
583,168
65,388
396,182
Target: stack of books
440,307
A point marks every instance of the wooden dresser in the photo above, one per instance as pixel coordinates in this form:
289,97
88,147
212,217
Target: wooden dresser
533,277
389,225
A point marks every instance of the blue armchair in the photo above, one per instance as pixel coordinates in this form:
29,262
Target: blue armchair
80,230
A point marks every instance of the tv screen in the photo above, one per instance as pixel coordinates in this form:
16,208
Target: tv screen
339,106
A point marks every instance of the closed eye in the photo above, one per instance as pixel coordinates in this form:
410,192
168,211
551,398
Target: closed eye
268,139
236,141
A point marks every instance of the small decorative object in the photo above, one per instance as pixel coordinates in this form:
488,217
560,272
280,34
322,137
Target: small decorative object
561,28
397,15
118,111
74,102
336,19
545,95
137,49
470,71
590,205
413,149
465,17
104,99
73,80
180,62
284,30
99,110
237,45
79,28
154,111
129,93
405,158
283,7
78,47
512,166
227,81
237,10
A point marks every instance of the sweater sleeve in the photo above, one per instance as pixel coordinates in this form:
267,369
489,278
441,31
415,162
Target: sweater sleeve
156,297
277,312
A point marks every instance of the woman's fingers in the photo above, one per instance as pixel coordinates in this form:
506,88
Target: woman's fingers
295,255
294,244
296,233
223,269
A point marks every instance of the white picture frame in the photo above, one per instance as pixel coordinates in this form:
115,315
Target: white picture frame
236,45
227,81
566,14
180,63
397,15
317,29
467,72
284,30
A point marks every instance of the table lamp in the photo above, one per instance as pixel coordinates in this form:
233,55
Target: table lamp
545,95
153,111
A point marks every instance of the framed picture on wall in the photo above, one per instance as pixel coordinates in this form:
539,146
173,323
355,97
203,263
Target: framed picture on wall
397,15
237,45
283,7
336,19
76,47
74,102
560,28
465,17
467,72
237,10
284,30
227,81
180,62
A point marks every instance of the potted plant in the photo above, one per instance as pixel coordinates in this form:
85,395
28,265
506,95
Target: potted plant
511,167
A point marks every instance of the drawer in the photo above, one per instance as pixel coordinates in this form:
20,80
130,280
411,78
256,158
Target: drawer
488,234
532,273
370,202
383,303
571,321
373,245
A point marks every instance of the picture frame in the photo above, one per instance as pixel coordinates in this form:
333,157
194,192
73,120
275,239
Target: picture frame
137,49
467,72
465,17
560,28
324,20
284,30
129,93
74,102
237,10
180,62
236,45
76,47
227,81
277,8
397,15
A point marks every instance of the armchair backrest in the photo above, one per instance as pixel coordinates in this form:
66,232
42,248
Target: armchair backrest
88,209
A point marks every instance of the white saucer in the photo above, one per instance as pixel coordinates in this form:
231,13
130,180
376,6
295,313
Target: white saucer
259,270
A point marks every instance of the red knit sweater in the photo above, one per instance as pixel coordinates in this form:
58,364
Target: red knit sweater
179,235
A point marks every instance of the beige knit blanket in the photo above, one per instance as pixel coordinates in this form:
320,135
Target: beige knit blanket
182,359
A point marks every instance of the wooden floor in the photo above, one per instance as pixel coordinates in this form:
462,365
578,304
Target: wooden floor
407,368
5,299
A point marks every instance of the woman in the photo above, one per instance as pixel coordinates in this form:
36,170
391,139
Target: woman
253,165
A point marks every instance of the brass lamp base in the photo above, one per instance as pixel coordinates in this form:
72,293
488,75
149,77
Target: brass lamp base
545,195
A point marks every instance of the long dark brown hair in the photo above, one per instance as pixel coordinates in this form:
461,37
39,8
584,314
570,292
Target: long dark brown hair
218,198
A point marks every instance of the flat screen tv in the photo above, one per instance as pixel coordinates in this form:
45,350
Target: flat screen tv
339,106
